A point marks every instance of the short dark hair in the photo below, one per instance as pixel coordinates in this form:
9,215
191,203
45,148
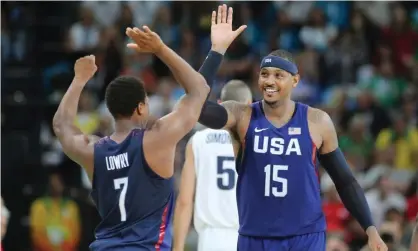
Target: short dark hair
123,95
236,90
283,54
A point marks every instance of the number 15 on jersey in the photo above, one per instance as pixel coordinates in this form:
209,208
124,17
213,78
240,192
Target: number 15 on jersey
272,174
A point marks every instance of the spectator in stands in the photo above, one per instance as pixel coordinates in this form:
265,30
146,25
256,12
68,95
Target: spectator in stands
357,142
410,110
318,34
412,199
188,49
125,19
104,12
334,210
404,140
384,197
285,34
401,38
162,102
376,117
386,87
54,220
164,26
87,117
84,35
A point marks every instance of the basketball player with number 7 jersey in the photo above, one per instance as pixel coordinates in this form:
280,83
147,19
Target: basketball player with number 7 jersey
131,170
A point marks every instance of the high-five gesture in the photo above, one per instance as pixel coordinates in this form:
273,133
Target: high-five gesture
145,41
222,34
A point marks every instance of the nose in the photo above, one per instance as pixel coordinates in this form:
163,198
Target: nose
269,81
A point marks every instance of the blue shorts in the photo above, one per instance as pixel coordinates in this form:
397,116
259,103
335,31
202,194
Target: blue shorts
306,242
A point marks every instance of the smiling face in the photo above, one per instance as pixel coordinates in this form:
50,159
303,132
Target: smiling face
276,84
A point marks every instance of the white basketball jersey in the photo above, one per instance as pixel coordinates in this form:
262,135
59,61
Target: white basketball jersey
216,178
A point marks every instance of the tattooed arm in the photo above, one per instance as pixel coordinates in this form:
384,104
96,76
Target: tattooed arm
226,115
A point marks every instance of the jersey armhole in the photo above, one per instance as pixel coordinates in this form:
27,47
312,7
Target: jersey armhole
306,120
147,168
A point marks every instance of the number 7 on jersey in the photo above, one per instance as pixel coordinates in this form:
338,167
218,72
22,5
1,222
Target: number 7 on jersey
124,183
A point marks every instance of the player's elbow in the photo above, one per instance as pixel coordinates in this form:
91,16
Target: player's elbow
57,125
184,203
201,86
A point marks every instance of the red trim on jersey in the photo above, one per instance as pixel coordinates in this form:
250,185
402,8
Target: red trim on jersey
163,227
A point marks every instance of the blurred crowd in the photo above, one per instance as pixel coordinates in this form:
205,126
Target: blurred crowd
358,61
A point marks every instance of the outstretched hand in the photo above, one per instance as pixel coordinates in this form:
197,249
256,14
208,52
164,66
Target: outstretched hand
221,33
146,41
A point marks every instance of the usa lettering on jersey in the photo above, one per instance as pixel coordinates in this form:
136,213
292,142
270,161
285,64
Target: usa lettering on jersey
276,146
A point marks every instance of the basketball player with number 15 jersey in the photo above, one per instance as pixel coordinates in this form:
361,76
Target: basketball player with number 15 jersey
281,144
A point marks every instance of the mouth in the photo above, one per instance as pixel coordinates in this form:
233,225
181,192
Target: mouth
270,90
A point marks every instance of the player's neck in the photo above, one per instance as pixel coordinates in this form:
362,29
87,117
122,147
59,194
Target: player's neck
124,126
279,109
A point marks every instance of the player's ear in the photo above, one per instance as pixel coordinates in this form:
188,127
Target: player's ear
219,101
295,80
140,109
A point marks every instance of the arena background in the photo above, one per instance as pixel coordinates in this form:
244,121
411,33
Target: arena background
358,61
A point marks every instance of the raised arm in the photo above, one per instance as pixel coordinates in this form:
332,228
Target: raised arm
227,114
333,161
177,124
184,205
75,144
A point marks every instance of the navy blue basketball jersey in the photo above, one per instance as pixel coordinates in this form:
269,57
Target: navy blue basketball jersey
278,191
135,204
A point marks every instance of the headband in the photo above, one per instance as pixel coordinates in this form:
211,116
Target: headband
278,62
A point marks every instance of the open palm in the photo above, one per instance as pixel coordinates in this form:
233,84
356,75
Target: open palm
222,34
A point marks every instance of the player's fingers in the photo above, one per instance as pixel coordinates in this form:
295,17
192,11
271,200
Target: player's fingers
147,29
213,17
240,30
224,13
219,16
133,46
140,32
131,33
230,12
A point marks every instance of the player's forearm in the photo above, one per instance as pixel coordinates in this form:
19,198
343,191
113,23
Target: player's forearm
213,115
67,110
210,67
182,219
352,195
192,81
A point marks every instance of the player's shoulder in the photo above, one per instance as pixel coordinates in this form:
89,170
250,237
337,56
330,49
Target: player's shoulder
238,108
318,117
